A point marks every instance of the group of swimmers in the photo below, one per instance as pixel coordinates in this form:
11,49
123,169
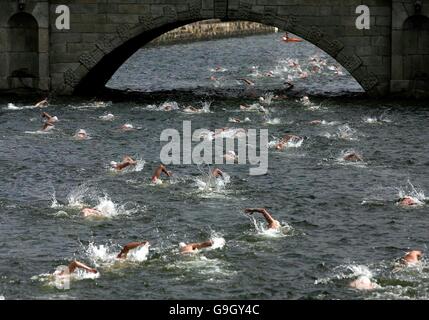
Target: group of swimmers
361,283
189,248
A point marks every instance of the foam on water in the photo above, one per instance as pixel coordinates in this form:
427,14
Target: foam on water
267,99
13,107
346,133
62,281
209,184
77,195
200,264
348,271
377,120
38,132
166,106
109,209
107,117
409,190
263,231
93,105
106,255
218,241
271,121
82,196
292,143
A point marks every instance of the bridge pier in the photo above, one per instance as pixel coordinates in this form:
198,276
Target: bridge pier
390,58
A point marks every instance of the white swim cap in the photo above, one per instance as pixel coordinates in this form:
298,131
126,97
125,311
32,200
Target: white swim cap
182,245
81,131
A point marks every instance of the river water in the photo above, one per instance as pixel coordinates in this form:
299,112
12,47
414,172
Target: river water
340,219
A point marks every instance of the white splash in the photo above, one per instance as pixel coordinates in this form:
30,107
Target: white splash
262,229
107,117
106,255
416,194
349,271
346,133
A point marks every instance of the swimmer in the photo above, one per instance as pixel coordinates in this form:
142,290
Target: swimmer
47,126
352,157
231,156
191,109
81,135
412,257
272,223
126,162
127,127
42,104
49,118
194,247
247,81
49,122
161,169
315,122
217,173
363,283
130,246
286,38
73,266
91,212
286,139
409,201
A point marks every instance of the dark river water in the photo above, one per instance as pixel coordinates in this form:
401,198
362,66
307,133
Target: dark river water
340,219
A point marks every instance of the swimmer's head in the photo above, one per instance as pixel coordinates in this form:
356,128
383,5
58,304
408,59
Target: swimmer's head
417,254
128,126
182,245
113,163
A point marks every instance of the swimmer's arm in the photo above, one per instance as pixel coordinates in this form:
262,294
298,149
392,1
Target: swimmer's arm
128,247
253,210
79,265
203,245
46,115
168,173
122,165
262,211
217,173
129,160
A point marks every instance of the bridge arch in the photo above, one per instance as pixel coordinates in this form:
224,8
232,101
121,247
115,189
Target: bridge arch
97,66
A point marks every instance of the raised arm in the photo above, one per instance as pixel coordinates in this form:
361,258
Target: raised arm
79,265
168,173
124,252
217,172
46,115
262,211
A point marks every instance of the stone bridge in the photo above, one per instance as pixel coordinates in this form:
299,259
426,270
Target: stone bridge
390,57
